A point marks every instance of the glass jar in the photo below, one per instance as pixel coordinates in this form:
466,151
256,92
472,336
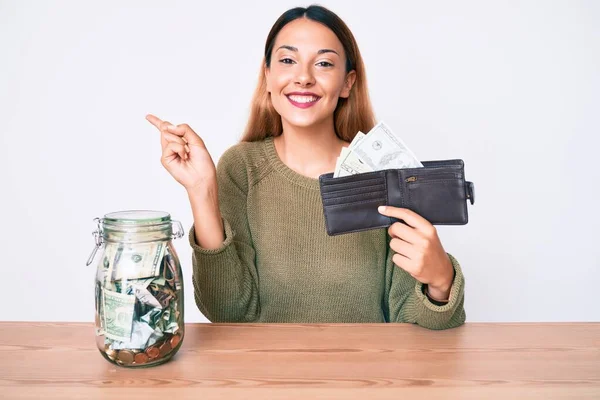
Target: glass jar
139,288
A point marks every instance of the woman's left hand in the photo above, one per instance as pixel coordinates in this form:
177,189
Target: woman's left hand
419,251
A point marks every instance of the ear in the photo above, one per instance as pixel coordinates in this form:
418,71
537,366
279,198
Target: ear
348,83
267,73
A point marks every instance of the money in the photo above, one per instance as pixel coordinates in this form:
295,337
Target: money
105,273
379,149
342,155
359,136
139,289
382,149
99,301
118,314
139,303
138,261
349,163
170,272
352,164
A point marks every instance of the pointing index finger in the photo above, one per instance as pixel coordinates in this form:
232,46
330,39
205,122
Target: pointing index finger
154,120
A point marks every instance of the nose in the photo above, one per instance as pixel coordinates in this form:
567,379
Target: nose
305,77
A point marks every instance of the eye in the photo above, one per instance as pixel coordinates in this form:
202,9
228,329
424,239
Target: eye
325,64
286,61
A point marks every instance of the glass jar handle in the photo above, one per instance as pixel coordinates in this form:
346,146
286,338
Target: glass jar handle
179,232
98,238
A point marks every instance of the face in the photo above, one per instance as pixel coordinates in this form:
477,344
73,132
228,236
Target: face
307,75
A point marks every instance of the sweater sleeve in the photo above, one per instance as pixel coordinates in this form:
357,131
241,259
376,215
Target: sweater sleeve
404,300
225,279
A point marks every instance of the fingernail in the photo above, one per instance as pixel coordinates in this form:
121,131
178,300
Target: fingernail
381,209
172,127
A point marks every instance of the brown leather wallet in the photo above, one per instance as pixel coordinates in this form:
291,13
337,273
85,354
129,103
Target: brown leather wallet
437,191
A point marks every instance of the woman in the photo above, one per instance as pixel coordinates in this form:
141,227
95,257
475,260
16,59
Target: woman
261,252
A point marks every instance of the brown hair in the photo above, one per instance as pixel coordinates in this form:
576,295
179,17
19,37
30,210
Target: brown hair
351,114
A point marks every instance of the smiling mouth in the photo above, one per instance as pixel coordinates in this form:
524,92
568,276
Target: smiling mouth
303,101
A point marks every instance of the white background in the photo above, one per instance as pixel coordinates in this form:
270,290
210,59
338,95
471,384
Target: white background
510,87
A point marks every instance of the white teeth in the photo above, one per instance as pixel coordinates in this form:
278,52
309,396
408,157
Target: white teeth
303,99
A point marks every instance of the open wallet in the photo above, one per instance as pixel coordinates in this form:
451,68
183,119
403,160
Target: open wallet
437,191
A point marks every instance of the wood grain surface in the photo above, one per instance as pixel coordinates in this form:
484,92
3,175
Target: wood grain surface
312,361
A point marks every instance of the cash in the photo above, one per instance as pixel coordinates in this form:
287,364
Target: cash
139,289
379,149
139,303
118,314
349,163
136,261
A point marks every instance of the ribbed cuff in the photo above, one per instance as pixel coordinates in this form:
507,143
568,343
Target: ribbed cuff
229,235
454,290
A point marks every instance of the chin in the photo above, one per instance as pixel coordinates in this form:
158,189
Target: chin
301,122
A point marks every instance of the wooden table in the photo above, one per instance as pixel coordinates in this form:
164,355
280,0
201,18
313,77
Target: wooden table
245,361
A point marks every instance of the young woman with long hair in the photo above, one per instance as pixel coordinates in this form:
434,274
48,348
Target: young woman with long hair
260,248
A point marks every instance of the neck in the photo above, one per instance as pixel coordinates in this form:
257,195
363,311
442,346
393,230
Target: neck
310,151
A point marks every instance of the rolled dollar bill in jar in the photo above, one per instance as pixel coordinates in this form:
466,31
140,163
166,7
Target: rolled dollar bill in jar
139,288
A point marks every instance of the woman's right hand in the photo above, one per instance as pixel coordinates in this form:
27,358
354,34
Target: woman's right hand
184,155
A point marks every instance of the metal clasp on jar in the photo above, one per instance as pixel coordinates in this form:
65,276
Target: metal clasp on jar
98,238
177,234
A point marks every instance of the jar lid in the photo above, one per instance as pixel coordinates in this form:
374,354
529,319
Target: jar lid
135,226
137,217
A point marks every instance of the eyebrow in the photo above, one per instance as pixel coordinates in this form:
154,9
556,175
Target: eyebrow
292,48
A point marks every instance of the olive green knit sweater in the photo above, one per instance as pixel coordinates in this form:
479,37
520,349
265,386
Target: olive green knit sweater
277,263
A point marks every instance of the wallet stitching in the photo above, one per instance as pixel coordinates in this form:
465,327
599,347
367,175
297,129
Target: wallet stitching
428,177
356,200
358,183
416,185
426,180
336,195
435,167
346,188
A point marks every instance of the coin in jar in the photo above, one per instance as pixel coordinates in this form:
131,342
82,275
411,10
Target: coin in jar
175,341
152,352
125,356
112,354
164,348
141,358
